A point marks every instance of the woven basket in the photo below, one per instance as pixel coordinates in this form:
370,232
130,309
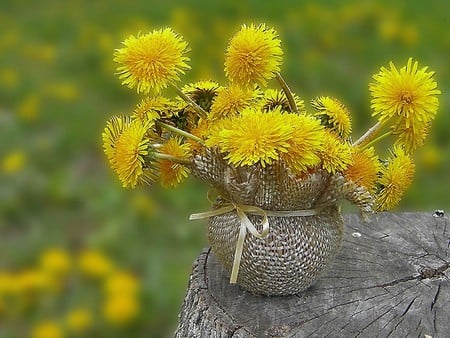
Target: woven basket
297,249
287,261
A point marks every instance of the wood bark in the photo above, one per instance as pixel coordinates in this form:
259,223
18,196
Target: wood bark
390,279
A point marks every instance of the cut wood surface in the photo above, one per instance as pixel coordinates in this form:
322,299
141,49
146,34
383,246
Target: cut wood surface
390,279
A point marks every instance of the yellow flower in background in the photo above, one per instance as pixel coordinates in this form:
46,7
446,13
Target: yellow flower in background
28,109
120,309
253,136
120,283
333,115
172,173
231,100
431,157
78,320
396,176
152,61
202,93
95,264
128,158
6,283
152,108
305,143
55,261
336,155
254,54
47,329
13,162
409,93
364,168
31,280
275,98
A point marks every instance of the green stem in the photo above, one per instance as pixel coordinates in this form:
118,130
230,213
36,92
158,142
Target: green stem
379,138
191,102
171,158
180,132
287,91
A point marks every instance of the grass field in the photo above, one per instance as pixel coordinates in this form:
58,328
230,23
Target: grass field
58,87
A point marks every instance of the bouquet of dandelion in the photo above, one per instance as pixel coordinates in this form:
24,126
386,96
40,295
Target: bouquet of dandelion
279,167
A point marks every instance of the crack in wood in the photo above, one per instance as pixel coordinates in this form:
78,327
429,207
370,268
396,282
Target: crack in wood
408,307
436,297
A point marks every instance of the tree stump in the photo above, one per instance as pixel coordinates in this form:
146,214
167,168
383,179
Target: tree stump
390,279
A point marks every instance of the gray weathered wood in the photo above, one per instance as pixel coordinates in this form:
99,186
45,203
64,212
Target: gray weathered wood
392,281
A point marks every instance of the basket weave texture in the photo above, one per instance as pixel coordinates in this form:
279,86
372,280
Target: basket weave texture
298,248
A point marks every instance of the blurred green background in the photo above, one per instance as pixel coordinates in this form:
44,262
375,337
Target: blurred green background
57,89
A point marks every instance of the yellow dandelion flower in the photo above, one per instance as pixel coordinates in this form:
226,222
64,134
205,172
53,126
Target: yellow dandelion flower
336,155
78,320
152,108
13,162
114,128
152,61
173,173
395,178
121,282
252,137
120,309
254,54
55,261
364,168
410,137
6,283
333,115
31,280
410,93
201,130
93,263
131,148
230,101
305,144
47,329
202,93
274,98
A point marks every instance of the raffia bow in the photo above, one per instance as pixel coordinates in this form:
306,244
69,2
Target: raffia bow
246,224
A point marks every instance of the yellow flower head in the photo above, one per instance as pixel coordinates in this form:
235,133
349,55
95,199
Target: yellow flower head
173,173
253,136
410,93
305,143
364,168
121,283
55,261
274,98
336,155
231,100
202,93
114,128
395,178
410,137
152,108
120,309
47,329
78,320
253,55
201,130
95,264
151,61
130,150
333,115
